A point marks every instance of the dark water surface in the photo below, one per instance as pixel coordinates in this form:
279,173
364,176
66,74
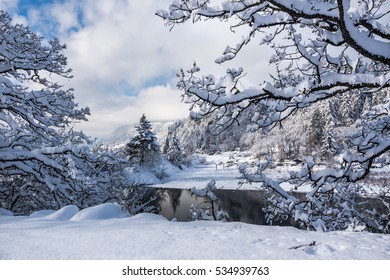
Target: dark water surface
241,205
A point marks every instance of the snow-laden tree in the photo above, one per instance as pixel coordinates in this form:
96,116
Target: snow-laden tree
315,132
143,148
44,163
39,151
174,153
323,48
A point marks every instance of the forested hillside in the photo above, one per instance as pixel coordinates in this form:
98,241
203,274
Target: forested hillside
320,130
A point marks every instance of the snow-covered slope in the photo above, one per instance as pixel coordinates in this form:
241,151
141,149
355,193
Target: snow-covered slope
123,134
106,232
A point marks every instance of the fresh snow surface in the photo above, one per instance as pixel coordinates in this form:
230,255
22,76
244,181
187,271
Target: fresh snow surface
146,175
99,212
223,168
199,176
107,232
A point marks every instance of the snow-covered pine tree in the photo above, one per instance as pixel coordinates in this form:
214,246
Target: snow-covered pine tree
315,132
174,152
143,148
166,143
328,145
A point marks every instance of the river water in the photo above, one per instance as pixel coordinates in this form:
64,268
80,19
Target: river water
241,205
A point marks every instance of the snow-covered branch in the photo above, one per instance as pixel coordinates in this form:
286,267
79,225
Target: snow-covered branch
39,151
323,50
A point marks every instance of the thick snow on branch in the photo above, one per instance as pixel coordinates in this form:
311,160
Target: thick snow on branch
361,40
327,70
39,151
347,51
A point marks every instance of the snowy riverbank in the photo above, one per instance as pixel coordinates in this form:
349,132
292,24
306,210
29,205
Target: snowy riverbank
106,232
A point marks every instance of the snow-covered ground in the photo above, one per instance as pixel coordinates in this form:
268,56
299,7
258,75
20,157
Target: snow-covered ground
198,176
223,168
106,232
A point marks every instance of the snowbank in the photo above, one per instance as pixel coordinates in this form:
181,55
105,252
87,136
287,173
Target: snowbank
5,212
64,213
101,212
150,175
106,232
140,177
42,213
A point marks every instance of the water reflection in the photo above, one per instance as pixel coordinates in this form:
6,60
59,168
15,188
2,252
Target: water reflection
243,206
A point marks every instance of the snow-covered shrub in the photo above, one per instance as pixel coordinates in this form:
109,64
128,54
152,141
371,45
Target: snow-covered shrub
136,200
121,183
327,207
208,212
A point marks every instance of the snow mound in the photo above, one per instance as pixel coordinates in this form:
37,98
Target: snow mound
101,212
148,217
150,174
140,176
65,213
165,169
5,212
42,213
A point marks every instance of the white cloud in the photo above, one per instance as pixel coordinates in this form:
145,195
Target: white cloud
159,103
11,6
123,57
66,15
8,4
128,42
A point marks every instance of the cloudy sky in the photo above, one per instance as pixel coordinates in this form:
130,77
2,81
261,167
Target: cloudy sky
124,58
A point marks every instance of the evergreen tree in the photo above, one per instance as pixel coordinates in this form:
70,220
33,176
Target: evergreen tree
316,132
143,147
166,144
331,120
174,152
329,145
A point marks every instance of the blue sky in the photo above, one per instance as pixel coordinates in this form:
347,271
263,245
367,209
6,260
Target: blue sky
124,58
25,5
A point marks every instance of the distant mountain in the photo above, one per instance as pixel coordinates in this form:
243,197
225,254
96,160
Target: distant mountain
123,134
321,131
